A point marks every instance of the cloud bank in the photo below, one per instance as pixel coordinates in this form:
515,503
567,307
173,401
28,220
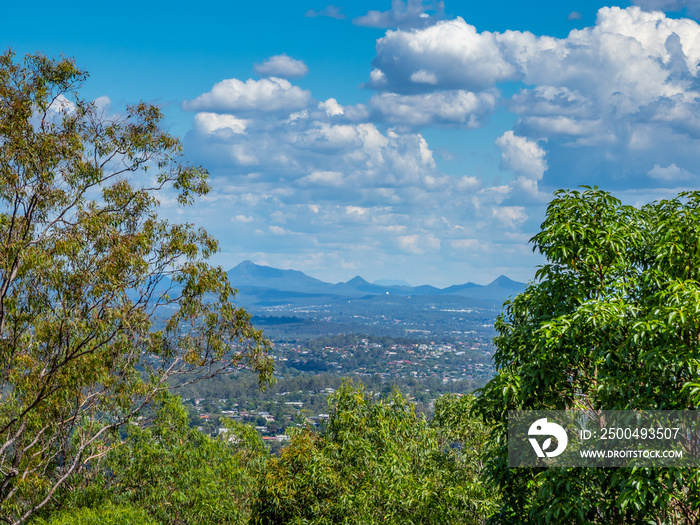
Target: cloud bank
614,104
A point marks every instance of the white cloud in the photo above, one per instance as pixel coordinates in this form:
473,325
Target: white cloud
424,77
323,178
377,77
445,107
102,103
331,107
281,66
354,179
268,94
418,244
452,51
303,114
61,105
355,210
207,122
617,101
413,13
521,156
618,97
510,215
574,15
278,230
607,59
467,183
669,173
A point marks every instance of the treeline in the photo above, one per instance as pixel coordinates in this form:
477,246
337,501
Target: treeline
376,461
241,386
291,399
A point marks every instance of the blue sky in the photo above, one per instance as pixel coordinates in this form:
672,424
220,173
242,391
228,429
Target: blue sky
399,140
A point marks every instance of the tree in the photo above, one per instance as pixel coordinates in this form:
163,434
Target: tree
107,515
172,473
375,462
611,322
101,301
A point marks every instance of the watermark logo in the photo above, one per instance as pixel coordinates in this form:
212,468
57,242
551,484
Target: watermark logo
604,438
542,427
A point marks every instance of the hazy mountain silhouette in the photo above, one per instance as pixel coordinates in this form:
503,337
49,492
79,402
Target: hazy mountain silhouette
264,284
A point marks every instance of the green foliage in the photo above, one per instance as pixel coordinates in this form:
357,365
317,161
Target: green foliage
376,462
179,475
86,265
458,426
611,323
171,473
108,514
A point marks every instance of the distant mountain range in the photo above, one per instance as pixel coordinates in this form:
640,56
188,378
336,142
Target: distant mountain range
266,285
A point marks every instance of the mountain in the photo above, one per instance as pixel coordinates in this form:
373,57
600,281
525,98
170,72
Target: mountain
250,274
499,289
506,283
264,285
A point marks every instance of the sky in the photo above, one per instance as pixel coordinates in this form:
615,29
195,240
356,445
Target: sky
411,140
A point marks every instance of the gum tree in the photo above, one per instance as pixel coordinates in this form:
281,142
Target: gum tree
101,300
378,461
611,322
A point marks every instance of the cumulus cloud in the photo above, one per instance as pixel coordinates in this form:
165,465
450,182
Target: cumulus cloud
521,156
316,153
669,173
620,96
268,94
630,43
326,177
61,105
323,178
281,66
206,122
413,13
331,107
451,54
446,107
102,103
424,77
510,215
618,101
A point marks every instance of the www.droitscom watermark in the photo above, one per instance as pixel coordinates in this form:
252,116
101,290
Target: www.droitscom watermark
603,438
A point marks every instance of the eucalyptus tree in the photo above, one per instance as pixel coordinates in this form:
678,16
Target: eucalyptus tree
101,300
379,461
612,321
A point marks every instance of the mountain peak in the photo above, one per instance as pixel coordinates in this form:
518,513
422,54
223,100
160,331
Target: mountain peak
250,274
357,281
245,264
505,282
